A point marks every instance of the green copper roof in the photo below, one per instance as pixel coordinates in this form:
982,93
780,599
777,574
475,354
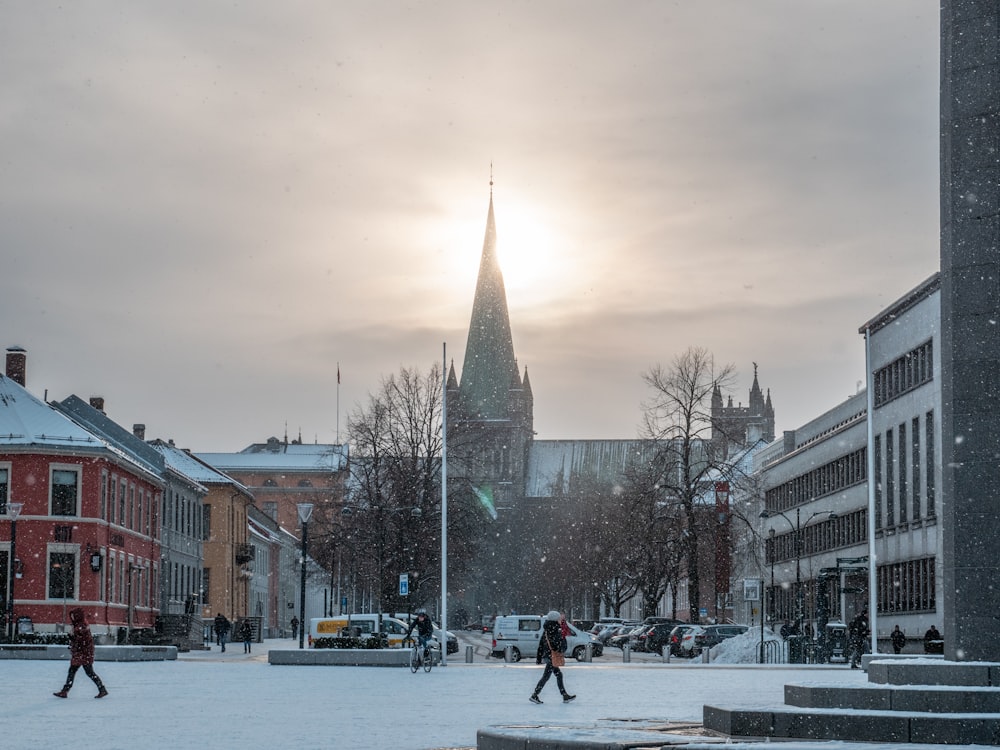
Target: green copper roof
490,368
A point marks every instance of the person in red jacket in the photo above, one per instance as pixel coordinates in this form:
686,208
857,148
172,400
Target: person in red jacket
81,654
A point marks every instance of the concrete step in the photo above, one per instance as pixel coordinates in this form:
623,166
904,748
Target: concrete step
930,672
880,697
854,726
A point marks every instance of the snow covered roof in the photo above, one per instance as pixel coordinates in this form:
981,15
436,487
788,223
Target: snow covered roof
183,463
552,463
319,457
99,423
28,421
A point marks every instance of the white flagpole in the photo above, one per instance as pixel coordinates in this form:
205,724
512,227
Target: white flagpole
444,504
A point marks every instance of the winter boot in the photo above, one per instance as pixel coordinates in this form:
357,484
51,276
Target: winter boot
101,692
567,697
535,699
64,693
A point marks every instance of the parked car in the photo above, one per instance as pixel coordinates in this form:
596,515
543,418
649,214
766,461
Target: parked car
628,634
703,637
658,635
676,639
522,634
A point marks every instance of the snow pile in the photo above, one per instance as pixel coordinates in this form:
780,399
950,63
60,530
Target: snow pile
743,649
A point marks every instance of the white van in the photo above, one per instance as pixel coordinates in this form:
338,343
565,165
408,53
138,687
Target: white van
361,625
523,632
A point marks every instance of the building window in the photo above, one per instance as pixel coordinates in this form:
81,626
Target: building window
907,586
103,509
4,489
205,579
62,575
877,449
122,490
206,522
902,473
910,371
112,505
270,509
65,486
890,481
929,430
915,460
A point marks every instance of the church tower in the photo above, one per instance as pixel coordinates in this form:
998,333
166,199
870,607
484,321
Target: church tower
741,426
490,409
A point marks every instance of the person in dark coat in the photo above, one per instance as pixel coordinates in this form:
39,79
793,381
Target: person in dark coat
81,654
898,639
295,627
246,633
551,641
858,633
222,628
424,628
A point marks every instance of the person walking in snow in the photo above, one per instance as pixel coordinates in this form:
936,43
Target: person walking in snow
898,639
551,647
246,633
222,628
295,627
81,654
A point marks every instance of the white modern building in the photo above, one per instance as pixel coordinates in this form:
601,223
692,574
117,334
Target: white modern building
815,493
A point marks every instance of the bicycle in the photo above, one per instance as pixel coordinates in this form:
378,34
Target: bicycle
420,657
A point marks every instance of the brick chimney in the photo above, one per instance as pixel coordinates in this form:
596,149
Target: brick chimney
98,403
139,430
17,359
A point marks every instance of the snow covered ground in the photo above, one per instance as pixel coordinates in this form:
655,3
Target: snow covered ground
221,701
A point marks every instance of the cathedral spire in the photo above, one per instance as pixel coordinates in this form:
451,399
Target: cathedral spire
489,365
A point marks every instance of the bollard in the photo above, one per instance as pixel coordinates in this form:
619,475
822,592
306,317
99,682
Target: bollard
468,654
588,655
508,654
665,653
704,655
626,654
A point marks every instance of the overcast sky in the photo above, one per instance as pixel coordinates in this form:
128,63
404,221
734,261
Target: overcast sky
204,207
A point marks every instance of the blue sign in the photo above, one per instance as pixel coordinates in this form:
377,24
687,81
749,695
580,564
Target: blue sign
404,584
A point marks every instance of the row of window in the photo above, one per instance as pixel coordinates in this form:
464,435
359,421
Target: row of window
63,578
831,477
913,369
843,531
184,514
905,488
908,586
122,503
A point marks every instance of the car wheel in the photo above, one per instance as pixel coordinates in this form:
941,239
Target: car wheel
580,653
515,654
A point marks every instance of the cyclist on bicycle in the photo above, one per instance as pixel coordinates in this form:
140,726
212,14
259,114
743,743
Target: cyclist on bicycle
424,627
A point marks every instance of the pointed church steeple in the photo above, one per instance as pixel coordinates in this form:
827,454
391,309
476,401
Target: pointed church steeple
489,366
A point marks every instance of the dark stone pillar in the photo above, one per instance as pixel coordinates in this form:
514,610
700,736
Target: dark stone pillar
970,327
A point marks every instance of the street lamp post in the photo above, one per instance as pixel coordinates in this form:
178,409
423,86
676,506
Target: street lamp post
797,529
770,535
305,513
13,510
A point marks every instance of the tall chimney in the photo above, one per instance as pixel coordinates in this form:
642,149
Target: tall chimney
139,430
98,403
17,359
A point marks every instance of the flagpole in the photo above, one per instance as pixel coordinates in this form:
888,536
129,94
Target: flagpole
444,504
338,403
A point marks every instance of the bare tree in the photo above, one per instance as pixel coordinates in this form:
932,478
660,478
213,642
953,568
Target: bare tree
678,418
392,521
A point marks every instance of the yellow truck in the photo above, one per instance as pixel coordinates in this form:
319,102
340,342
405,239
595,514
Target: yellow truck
360,626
